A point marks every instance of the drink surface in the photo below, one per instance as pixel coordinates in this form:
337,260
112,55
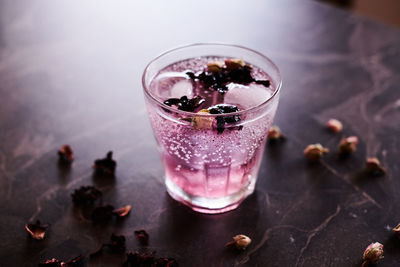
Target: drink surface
174,82
210,162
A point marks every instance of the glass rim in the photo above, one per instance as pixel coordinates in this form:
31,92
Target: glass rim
190,114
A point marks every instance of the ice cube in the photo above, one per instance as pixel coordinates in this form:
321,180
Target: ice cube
181,88
247,96
173,85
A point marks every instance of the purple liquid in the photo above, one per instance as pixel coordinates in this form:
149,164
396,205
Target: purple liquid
201,164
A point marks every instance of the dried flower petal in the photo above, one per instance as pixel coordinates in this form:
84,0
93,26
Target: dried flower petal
314,152
397,230
274,134
106,165
215,66
102,214
143,237
75,262
373,253
36,231
122,212
86,195
348,145
334,125
373,165
66,154
240,242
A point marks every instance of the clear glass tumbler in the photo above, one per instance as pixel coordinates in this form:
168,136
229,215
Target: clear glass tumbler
209,170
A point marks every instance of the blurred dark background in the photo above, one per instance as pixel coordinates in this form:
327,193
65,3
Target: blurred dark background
386,11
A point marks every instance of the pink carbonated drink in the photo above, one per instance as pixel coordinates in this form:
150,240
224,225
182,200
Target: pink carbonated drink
210,116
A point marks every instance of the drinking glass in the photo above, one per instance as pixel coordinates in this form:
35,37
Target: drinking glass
208,170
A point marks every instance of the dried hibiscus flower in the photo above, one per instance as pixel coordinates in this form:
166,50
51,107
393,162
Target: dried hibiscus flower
122,212
217,76
275,134
348,145
66,154
222,120
372,254
184,103
240,242
334,125
86,195
102,214
143,237
106,165
373,165
36,230
117,245
75,262
314,152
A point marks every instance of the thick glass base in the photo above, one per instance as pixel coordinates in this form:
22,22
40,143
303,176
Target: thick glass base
209,205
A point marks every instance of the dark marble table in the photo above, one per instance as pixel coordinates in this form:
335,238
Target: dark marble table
70,73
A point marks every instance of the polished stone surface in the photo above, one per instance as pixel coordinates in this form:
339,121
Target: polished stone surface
70,72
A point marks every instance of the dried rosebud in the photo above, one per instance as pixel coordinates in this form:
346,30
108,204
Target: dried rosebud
75,262
66,154
240,242
122,212
102,214
373,253
201,123
106,165
215,66
397,230
348,145
274,134
334,125
85,195
36,231
314,152
234,63
373,165
143,237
